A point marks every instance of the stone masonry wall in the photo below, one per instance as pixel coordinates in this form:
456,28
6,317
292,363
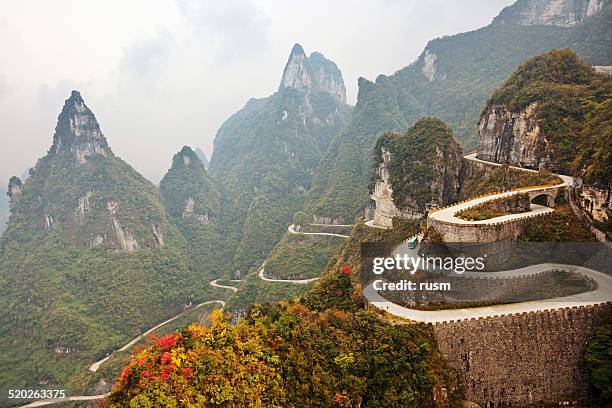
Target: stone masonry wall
532,359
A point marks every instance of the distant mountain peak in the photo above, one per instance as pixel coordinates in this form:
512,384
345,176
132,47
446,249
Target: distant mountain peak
186,158
562,13
303,73
78,132
296,73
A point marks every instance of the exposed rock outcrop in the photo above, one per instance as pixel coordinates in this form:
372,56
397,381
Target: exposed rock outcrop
14,191
595,200
382,194
125,240
562,13
83,207
189,192
78,132
429,65
416,171
188,211
304,73
514,138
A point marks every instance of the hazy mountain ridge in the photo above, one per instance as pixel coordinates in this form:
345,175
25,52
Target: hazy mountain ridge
562,13
450,80
266,153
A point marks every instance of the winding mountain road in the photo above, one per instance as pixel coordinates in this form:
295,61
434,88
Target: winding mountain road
448,214
291,230
262,276
217,285
601,294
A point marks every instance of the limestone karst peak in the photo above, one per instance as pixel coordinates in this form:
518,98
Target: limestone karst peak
327,75
303,73
187,157
77,132
296,73
562,13
297,51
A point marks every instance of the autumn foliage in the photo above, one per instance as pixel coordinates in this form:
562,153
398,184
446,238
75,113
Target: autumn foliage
285,355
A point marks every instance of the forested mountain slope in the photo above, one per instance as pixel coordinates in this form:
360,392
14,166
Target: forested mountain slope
88,260
265,155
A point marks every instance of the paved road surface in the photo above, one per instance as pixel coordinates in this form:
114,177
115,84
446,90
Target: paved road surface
601,294
292,230
216,285
294,281
448,214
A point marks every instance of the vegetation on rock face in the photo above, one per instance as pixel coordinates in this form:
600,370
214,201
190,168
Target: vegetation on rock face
424,164
193,201
573,110
187,180
4,209
300,256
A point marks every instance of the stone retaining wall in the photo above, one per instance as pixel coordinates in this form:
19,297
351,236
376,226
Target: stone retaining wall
533,359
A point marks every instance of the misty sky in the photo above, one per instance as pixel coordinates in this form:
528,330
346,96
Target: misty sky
167,73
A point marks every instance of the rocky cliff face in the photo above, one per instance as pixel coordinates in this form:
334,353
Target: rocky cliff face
89,258
382,195
305,73
549,114
78,132
514,137
416,171
596,200
188,191
561,13
193,200
553,113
